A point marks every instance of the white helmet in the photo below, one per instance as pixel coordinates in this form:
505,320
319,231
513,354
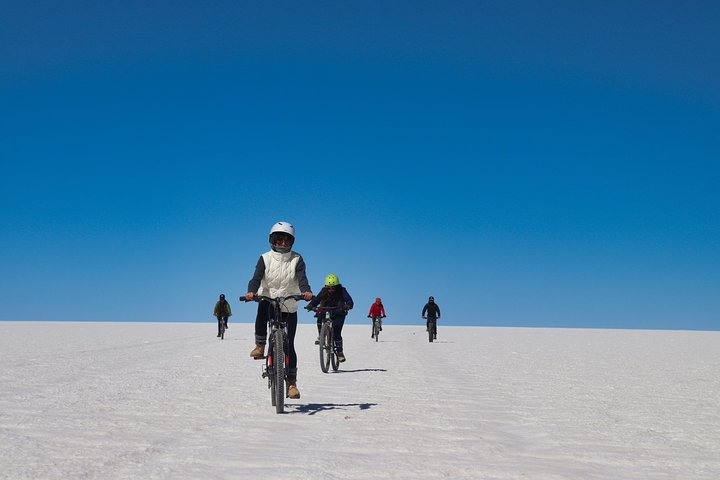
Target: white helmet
282,228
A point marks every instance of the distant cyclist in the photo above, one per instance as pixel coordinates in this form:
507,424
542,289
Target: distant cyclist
279,273
222,312
335,297
377,310
431,312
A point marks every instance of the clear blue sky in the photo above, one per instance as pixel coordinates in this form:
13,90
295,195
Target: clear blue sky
527,163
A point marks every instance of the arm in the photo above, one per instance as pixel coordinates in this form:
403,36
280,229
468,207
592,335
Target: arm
215,312
302,279
424,310
315,300
254,283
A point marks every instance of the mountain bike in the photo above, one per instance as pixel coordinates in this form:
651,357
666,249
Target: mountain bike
221,329
277,359
432,328
328,354
376,327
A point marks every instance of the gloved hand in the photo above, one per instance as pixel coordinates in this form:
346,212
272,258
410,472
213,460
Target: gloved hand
424,318
383,316
346,307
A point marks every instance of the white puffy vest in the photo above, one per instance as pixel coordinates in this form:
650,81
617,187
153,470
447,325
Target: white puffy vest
279,279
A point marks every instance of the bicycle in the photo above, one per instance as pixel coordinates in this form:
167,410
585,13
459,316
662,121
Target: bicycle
432,328
377,326
328,353
276,360
221,329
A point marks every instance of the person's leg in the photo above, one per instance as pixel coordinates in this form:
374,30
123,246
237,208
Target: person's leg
292,321
338,322
261,321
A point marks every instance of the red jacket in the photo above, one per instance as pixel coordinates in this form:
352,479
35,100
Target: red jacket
377,310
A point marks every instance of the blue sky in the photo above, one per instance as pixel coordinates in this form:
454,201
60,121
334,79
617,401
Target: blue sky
527,164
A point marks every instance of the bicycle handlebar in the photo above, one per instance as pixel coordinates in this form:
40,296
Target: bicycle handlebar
260,298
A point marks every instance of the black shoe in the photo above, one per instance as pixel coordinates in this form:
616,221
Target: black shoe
218,335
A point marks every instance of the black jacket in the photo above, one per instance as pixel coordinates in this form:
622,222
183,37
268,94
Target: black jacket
432,310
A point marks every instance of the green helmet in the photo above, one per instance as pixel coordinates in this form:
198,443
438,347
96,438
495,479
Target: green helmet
331,280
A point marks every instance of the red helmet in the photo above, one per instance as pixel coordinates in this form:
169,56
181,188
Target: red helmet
378,300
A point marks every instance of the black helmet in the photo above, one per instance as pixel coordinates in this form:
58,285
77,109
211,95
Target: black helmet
222,295
431,299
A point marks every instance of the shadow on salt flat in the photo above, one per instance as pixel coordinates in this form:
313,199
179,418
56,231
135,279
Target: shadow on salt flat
313,408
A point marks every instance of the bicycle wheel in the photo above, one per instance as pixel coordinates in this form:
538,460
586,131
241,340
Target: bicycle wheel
279,363
430,331
325,347
222,331
376,329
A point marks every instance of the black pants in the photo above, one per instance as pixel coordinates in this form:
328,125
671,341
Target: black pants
222,320
261,333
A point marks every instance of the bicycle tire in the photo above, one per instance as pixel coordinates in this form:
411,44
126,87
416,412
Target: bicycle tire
325,347
376,329
279,363
333,357
431,327
222,332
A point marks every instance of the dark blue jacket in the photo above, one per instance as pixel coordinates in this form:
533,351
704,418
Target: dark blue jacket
334,302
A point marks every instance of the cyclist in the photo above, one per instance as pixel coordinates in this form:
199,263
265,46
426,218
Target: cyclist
431,312
335,297
222,312
278,273
377,310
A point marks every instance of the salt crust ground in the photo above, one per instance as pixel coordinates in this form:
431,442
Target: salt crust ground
171,401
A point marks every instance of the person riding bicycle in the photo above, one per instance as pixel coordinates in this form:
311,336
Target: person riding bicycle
222,312
377,310
278,273
336,298
431,312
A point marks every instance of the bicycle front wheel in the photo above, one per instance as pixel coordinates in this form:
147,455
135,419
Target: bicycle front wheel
376,329
279,363
325,347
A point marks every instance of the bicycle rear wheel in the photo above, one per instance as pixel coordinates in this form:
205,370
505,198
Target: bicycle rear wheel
279,363
325,347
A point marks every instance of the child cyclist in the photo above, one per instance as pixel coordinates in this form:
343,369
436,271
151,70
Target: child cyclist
376,310
335,297
278,273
